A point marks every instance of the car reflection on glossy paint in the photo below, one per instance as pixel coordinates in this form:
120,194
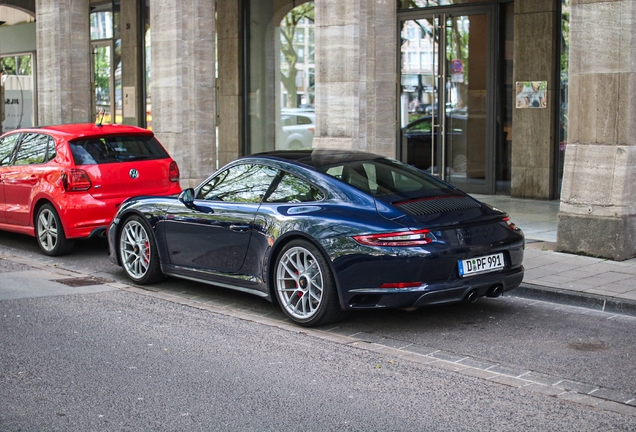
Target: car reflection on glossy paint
61,183
321,233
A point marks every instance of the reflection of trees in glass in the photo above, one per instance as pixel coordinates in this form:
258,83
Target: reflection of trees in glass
291,189
292,47
240,183
408,4
565,36
102,75
16,65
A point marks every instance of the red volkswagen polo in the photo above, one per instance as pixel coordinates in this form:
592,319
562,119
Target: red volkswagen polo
61,183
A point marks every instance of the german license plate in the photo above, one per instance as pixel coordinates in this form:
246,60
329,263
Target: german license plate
483,264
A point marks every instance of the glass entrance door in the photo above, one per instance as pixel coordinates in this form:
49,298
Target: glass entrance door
103,96
444,103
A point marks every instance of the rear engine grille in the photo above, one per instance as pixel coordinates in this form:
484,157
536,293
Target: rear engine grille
436,205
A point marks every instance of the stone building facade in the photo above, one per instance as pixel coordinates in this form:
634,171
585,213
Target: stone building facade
215,81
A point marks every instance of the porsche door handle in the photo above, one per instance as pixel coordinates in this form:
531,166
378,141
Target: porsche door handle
239,228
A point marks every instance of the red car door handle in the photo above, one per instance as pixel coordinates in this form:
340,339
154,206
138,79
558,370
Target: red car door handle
33,179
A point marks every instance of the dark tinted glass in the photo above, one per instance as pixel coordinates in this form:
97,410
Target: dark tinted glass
240,183
6,148
291,189
33,150
385,177
111,149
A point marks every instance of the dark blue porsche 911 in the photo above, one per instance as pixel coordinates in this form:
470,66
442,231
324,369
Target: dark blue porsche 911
323,232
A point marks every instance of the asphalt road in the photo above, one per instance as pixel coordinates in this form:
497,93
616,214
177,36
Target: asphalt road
120,361
117,360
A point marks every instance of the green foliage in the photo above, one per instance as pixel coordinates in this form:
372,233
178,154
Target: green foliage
17,65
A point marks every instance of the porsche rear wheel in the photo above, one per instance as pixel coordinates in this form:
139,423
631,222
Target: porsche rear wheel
50,232
305,286
138,251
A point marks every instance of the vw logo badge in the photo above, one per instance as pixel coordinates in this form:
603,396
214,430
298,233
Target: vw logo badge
133,173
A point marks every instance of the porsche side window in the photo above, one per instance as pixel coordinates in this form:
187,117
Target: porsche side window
288,188
33,150
246,183
7,144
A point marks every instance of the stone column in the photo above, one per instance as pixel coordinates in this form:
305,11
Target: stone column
182,84
533,152
230,85
598,210
63,61
356,75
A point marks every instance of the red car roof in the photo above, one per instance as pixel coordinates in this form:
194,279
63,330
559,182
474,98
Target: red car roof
80,130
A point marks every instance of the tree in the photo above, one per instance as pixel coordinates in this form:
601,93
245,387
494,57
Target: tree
288,48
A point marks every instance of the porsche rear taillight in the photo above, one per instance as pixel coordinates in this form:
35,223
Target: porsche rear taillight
510,224
76,180
400,238
173,174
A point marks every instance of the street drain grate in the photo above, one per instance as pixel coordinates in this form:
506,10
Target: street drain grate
82,282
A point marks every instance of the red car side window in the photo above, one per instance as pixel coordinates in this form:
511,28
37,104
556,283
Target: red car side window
7,144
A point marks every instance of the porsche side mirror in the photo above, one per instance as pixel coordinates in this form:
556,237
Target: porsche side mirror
187,197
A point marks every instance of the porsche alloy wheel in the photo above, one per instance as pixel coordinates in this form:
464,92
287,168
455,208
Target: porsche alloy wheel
305,286
138,252
50,232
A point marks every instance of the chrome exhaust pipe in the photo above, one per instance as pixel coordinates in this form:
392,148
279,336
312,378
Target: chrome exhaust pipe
495,291
472,296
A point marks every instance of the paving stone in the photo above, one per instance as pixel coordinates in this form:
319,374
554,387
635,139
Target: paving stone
478,373
580,398
443,355
509,381
442,364
420,349
507,370
479,364
369,337
576,386
540,378
613,395
543,389
617,407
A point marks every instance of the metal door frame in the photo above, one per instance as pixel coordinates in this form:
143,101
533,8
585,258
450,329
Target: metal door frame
444,12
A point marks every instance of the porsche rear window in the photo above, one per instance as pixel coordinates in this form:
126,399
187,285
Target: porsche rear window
385,177
111,149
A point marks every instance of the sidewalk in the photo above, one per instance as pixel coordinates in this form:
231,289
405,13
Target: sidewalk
577,280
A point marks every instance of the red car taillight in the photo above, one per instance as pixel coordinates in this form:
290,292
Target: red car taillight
76,180
173,174
400,238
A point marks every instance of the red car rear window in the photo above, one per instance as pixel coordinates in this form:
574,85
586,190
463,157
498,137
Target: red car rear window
111,149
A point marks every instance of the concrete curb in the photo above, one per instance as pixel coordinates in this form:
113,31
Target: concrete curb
578,299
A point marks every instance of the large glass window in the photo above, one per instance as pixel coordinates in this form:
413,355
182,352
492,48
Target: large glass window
564,69
408,4
147,63
17,72
107,65
281,75
503,164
